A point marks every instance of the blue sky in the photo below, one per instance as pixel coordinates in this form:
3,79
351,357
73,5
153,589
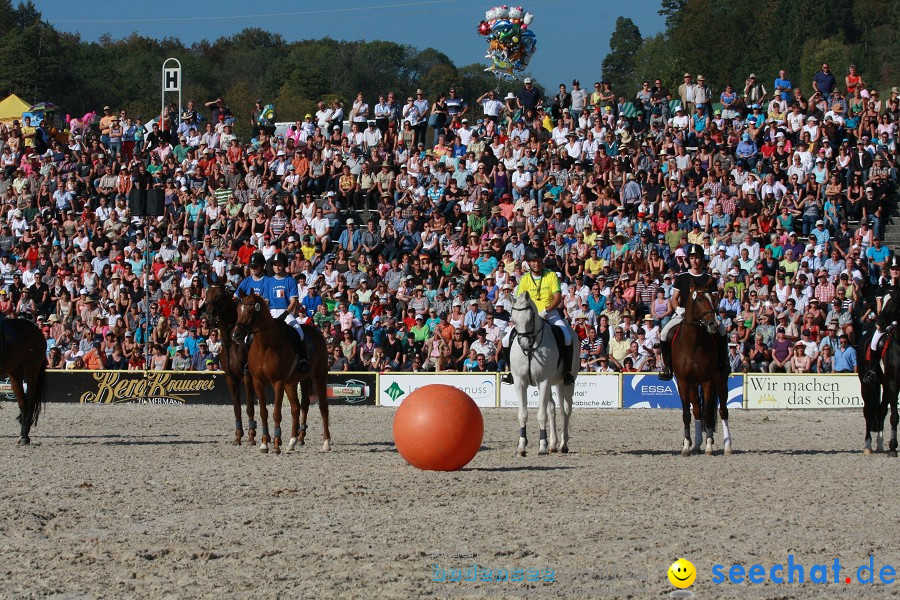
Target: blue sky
573,33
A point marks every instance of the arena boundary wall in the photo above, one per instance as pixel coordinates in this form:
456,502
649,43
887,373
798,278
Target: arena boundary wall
602,391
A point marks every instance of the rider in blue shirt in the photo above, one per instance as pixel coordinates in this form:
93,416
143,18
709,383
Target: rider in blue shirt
257,282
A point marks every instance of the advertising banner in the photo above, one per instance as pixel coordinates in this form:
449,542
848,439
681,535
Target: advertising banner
394,387
647,390
803,391
355,389
592,390
151,387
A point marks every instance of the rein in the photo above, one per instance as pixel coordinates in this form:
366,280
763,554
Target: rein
531,336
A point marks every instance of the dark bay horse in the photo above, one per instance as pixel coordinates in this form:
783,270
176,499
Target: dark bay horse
695,365
272,362
221,310
25,363
877,397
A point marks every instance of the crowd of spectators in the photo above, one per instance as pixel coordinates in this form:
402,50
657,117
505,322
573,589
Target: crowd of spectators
405,222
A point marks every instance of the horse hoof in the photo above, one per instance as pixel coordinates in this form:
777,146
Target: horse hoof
276,451
521,453
685,452
710,452
867,452
892,453
23,441
728,451
264,448
564,450
326,446
292,445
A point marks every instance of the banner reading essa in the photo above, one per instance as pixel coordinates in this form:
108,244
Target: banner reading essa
393,388
803,391
592,390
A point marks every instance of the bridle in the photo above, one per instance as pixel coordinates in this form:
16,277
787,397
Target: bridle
243,330
531,336
700,320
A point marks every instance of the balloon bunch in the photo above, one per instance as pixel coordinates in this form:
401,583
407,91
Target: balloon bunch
510,43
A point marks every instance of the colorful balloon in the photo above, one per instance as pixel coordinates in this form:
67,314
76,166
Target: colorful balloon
510,43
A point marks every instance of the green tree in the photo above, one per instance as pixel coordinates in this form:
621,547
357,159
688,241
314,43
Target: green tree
624,44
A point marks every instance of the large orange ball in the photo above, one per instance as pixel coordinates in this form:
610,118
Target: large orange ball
438,428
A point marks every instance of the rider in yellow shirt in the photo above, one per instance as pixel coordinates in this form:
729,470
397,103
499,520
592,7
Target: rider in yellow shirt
543,287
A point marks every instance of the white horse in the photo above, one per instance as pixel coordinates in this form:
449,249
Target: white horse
534,360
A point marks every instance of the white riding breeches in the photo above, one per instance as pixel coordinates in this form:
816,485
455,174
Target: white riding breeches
554,318
289,319
677,318
875,337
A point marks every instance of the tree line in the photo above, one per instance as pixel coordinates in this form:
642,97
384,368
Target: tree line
40,63
726,40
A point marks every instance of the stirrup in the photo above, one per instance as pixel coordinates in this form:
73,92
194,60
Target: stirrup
507,377
666,374
871,377
568,379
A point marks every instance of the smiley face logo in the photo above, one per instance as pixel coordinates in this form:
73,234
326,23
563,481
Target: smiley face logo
682,573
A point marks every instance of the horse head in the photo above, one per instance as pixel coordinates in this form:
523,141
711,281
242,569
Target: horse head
524,314
250,310
218,306
700,309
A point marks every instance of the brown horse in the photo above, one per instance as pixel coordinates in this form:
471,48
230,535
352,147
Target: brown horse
221,310
25,363
695,365
271,362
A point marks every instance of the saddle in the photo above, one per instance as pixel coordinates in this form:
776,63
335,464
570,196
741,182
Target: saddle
298,345
558,336
880,349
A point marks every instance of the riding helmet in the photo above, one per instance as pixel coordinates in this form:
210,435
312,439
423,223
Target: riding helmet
894,262
696,250
257,260
532,253
280,259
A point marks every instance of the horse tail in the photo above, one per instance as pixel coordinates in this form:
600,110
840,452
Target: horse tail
39,395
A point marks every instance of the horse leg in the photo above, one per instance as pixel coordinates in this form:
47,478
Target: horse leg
895,420
304,411
251,403
544,393
709,416
278,388
522,392
552,442
25,409
565,405
698,419
321,384
889,400
870,404
686,419
723,413
291,391
260,388
235,389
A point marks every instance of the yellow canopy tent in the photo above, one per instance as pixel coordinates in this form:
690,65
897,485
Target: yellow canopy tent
12,107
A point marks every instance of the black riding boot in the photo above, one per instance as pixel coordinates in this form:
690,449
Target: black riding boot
568,377
666,349
724,365
504,354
